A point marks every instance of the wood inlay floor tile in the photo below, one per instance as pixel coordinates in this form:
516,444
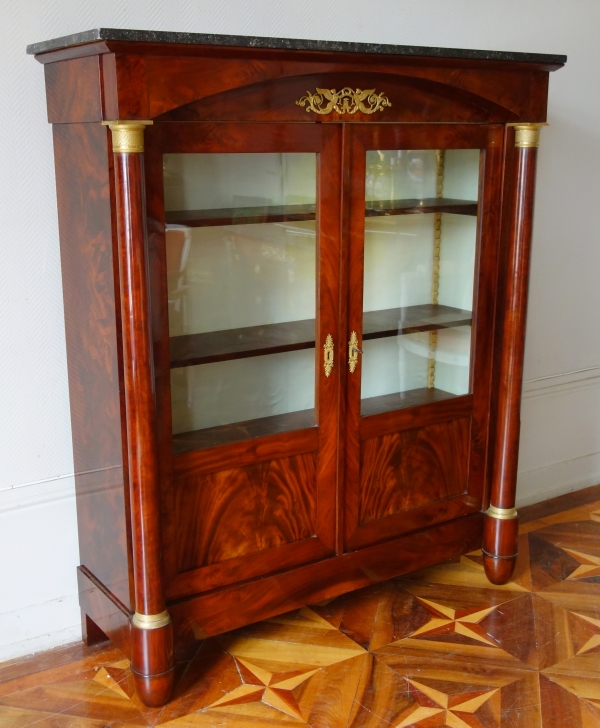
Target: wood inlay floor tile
354,614
581,512
564,703
22,718
440,647
406,690
212,674
382,697
87,665
94,695
482,626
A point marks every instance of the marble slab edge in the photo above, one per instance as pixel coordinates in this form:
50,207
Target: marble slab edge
293,44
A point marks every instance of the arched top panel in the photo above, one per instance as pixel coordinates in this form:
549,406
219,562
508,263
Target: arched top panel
345,97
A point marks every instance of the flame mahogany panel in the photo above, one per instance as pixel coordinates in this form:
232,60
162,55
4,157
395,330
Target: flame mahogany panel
245,511
413,468
259,447
505,91
89,275
244,522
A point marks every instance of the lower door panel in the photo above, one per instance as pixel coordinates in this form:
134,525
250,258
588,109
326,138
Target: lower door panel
411,469
244,519
410,480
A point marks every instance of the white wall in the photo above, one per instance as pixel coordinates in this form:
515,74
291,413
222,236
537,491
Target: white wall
561,408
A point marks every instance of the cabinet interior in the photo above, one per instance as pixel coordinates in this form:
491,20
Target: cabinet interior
241,238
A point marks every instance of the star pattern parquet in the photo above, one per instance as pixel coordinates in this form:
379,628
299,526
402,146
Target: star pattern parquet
439,647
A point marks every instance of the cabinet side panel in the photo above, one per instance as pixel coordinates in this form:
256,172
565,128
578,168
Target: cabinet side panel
83,177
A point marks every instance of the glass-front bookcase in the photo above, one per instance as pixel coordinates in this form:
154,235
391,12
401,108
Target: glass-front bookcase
295,277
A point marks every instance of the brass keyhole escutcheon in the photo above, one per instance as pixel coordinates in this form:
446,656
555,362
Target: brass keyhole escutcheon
353,352
328,355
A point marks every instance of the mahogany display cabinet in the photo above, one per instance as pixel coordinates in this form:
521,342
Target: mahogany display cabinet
295,281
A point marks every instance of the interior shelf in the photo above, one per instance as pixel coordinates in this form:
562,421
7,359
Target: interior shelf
241,215
293,213
225,434
412,319
401,400
416,207
216,346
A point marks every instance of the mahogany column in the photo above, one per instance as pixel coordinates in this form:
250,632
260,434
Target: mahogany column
151,629
501,524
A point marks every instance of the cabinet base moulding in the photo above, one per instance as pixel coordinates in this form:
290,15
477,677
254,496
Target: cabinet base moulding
222,610
104,611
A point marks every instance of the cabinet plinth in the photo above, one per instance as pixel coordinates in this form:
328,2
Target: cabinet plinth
295,340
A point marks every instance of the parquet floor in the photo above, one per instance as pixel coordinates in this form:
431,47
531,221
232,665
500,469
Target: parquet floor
440,647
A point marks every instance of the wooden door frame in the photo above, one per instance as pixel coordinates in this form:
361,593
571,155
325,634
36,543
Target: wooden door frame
357,140
248,137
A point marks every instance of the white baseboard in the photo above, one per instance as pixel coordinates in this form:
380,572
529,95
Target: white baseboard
534,486
40,627
560,435
39,607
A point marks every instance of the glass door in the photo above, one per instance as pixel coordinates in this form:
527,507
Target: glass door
247,244
415,357
419,264
241,254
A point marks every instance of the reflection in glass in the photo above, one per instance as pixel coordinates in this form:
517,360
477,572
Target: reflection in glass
419,258
241,267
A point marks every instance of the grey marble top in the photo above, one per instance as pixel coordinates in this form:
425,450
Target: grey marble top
243,41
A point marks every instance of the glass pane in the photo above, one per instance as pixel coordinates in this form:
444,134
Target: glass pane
241,270
420,243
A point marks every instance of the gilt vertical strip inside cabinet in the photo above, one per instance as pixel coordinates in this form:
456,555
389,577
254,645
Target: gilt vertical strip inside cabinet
295,280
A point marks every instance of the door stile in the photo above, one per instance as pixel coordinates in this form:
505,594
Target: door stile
157,270
328,315
485,296
345,207
356,225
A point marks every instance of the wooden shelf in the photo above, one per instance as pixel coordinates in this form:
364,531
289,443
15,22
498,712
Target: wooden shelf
412,319
215,346
294,213
401,400
241,215
420,207
242,343
225,434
